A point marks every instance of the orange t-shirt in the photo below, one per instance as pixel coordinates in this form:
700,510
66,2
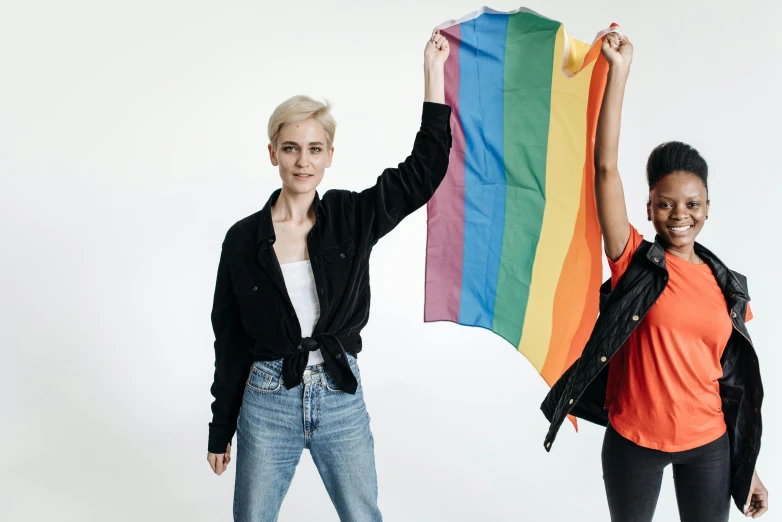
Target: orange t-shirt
663,390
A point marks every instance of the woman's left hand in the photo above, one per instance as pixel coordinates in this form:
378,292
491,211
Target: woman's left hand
757,501
436,51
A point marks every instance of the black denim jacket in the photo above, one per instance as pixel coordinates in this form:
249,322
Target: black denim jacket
252,316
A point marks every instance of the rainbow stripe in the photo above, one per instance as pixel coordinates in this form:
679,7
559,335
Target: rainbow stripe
513,242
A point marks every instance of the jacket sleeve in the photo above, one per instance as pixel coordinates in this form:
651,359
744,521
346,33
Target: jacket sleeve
401,191
232,360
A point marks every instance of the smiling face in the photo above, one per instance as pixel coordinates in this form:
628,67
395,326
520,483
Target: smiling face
678,206
302,155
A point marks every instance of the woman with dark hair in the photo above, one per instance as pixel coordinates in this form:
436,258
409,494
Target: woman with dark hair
669,367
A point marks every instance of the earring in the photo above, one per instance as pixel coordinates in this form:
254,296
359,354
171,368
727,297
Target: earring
707,217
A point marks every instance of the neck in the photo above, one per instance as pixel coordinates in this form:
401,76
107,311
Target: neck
686,252
293,207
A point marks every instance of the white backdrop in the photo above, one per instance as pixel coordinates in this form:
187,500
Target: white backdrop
132,135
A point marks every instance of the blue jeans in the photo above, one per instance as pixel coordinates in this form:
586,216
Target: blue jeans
276,424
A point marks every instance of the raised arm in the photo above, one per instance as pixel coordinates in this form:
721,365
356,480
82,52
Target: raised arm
402,190
435,53
609,195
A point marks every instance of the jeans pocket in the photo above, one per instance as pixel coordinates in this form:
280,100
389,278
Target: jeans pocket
263,379
329,383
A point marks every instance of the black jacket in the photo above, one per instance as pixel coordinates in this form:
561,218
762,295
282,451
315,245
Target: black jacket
253,317
581,391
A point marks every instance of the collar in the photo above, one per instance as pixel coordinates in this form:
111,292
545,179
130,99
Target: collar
656,253
265,236
726,278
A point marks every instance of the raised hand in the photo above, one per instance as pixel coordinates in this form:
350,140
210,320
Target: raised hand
435,54
617,50
436,51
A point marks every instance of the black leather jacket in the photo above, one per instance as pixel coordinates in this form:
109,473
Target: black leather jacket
581,390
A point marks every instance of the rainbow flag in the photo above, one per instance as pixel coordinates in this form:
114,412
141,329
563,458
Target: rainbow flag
513,241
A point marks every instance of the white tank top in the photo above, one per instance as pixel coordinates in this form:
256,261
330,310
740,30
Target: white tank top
300,283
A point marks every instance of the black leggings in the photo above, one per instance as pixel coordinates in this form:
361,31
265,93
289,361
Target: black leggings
633,476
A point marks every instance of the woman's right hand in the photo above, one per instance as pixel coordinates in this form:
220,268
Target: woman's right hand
618,50
219,462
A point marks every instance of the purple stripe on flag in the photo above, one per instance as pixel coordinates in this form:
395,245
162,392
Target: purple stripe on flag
445,231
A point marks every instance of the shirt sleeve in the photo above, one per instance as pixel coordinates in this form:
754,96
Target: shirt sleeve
402,190
619,266
749,314
232,360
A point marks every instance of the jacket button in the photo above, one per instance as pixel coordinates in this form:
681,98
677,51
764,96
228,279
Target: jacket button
271,240
548,445
571,401
338,356
342,256
603,359
733,314
299,348
656,260
635,318
255,288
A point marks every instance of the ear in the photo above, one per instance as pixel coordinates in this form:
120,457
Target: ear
330,157
273,156
649,211
708,206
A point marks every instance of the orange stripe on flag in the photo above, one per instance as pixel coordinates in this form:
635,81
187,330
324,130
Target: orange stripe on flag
579,284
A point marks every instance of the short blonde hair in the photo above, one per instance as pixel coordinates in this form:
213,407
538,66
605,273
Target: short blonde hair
300,108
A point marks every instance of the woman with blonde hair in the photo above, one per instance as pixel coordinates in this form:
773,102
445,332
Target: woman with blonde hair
291,298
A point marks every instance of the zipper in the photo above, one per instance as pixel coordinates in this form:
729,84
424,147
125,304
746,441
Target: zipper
744,336
739,331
